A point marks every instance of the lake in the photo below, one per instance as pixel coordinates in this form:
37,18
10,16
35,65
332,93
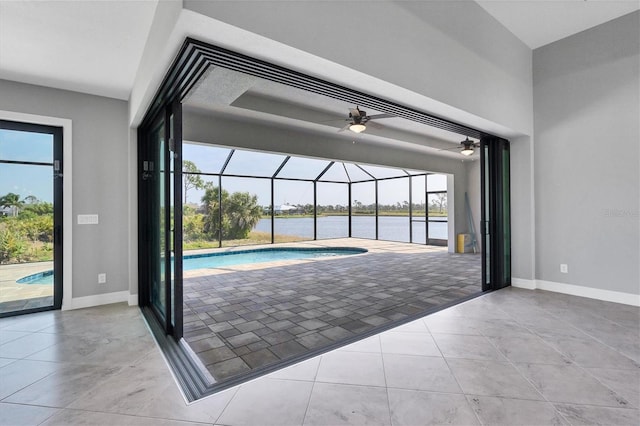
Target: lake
392,228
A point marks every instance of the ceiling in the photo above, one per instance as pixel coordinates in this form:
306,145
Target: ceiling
95,46
540,22
86,46
224,94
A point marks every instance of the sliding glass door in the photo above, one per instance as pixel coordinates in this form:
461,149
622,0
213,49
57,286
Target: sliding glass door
30,218
496,213
160,218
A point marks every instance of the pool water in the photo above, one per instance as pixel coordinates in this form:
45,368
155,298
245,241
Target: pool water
241,257
217,260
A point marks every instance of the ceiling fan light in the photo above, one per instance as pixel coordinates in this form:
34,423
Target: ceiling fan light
467,151
357,128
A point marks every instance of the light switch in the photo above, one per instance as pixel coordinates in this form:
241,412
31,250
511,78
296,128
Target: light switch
87,219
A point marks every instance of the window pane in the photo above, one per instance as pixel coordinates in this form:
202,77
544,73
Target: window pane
200,215
356,174
383,172
294,210
438,229
418,195
246,205
333,210
437,205
363,207
250,163
26,146
418,231
303,168
206,158
393,199
335,173
436,182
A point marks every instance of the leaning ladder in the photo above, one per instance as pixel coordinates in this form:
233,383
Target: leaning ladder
472,228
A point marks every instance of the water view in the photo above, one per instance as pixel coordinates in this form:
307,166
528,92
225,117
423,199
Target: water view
392,228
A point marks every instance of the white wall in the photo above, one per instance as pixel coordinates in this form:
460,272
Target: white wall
100,181
452,52
587,133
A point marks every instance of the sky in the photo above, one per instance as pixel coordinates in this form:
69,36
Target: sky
26,180
36,180
210,159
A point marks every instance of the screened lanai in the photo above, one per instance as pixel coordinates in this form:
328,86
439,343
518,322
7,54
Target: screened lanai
302,198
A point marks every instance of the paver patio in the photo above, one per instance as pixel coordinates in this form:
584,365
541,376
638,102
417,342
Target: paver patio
240,318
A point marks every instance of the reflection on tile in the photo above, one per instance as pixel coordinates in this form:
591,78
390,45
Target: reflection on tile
27,345
568,383
504,411
591,415
408,344
333,404
351,368
63,386
419,373
8,335
428,408
492,379
18,415
451,325
22,373
268,402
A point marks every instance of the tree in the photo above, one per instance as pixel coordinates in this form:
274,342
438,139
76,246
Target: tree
191,180
440,202
11,201
240,213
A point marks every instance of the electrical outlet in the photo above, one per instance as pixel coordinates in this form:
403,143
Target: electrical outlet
564,268
102,278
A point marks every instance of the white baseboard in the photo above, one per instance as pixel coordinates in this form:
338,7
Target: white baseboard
522,283
133,300
98,299
577,290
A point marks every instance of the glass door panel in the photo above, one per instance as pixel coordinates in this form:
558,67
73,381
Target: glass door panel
30,218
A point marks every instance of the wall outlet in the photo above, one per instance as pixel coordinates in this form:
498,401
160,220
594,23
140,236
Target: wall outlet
102,278
564,268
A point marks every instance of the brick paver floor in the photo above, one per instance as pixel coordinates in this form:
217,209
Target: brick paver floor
238,319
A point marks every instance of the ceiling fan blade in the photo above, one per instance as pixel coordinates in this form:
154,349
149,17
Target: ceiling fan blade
451,149
345,127
378,116
375,125
355,112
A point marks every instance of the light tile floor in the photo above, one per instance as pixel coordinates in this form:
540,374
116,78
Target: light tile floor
509,357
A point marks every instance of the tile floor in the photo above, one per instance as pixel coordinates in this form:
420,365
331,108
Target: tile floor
241,318
510,357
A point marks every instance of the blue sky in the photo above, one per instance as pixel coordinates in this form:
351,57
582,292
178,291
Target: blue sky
26,180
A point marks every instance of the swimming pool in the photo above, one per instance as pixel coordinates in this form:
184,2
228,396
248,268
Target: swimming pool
240,257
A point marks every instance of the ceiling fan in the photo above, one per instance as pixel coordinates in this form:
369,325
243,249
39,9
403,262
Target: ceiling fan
466,147
358,119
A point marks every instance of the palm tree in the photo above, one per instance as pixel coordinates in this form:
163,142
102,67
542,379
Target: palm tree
11,201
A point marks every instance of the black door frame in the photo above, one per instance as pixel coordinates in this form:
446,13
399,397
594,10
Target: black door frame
57,167
170,117
190,65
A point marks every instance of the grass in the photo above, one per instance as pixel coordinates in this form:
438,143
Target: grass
254,238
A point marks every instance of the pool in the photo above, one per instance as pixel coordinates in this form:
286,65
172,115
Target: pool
45,277
239,257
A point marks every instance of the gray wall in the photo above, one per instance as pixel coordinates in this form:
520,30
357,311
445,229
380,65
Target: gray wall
453,52
204,128
586,106
100,178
